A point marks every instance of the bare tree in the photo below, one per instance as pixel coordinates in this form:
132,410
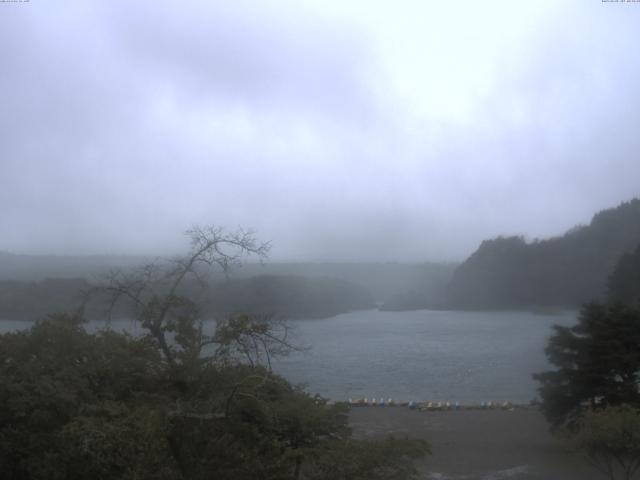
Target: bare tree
161,298
156,295
254,338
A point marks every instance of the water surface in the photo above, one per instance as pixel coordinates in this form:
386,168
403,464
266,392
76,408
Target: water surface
424,355
468,357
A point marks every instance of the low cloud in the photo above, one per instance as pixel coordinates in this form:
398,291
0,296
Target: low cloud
336,135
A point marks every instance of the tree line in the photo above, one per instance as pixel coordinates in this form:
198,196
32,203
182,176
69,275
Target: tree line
282,295
178,402
509,272
592,396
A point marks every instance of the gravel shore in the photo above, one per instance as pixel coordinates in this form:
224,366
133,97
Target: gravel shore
479,444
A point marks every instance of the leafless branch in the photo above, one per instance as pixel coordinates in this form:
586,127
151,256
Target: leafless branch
154,289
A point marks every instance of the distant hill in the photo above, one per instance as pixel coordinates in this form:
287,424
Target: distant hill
36,300
32,285
288,296
427,291
385,281
284,296
35,268
508,272
388,282
624,282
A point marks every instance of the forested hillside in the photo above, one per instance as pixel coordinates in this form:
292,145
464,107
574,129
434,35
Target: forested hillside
35,300
387,282
508,272
624,282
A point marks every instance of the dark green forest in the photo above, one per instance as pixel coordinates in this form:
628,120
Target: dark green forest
174,403
566,271
108,406
591,395
624,282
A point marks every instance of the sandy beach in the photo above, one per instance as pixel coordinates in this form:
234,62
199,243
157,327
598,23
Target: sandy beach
479,444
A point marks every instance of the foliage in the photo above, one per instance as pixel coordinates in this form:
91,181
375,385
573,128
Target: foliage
176,402
597,360
509,272
624,282
75,405
56,380
610,438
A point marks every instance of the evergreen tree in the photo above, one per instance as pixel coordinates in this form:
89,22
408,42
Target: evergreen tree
597,360
624,282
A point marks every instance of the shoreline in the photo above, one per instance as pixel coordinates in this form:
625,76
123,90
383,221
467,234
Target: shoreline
489,444
438,406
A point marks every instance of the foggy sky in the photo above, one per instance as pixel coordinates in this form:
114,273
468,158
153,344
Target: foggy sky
351,130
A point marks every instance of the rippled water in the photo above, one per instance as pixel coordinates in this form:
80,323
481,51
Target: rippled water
468,357
424,355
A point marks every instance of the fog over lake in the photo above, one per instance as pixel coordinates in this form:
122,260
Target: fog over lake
349,131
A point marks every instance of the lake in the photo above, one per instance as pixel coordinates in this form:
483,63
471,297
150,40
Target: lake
468,357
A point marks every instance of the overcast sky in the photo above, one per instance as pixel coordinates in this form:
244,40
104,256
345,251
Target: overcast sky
340,130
